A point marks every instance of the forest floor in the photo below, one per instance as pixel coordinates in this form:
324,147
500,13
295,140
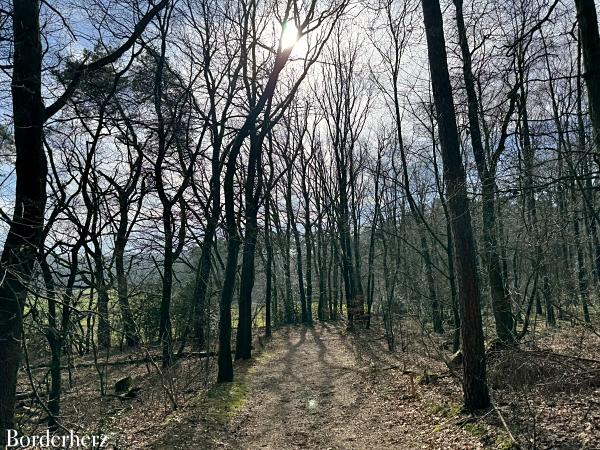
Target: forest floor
325,387
321,388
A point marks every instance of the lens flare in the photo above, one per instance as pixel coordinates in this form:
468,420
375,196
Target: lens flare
289,35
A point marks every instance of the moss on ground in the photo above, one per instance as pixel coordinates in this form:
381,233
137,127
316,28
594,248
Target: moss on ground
216,406
224,400
504,442
476,429
447,410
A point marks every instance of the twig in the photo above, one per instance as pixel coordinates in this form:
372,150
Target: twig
512,438
33,387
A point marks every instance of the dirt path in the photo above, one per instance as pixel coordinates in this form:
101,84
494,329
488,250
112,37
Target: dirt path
316,388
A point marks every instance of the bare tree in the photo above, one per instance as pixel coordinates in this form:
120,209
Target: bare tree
25,232
474,382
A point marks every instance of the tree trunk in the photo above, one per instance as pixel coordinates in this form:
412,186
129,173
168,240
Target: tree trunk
131,335
323,310
269,269
347,259
204,265
453,293
587,192
581,270
359,293
243,349
296,233
225,372
104,334
55,343
332,284
164,327
449,251
24,235
501,302
201,283
590,44
435,304
248,128
308,244
283,239
371,258
476,394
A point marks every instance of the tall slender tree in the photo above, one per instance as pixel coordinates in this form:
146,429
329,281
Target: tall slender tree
476,394
501,302
590,44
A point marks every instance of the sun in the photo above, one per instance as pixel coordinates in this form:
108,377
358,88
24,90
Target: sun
289,35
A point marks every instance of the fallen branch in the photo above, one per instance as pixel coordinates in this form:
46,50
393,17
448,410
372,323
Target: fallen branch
512,438
123,362
555,355
24,395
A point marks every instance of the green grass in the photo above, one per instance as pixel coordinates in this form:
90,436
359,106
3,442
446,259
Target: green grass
504,442
447,410
224,400
476,429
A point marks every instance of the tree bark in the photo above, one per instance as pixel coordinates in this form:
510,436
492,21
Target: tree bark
476,394
104,332
269,270
373,234
253,190
131,335
164,326
25,231
308,242
296,233
501,303
590,44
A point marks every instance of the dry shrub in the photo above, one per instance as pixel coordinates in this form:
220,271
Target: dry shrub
520,369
